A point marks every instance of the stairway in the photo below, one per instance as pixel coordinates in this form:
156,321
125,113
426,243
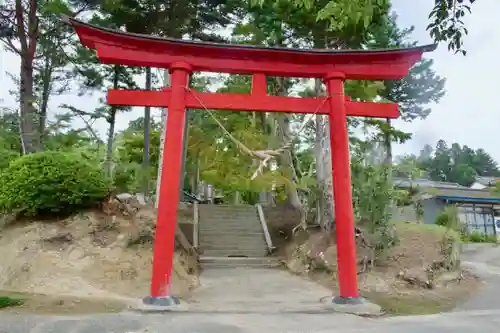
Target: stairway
232,236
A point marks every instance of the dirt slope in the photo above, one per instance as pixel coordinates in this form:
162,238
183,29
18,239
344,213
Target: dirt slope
401,281
86,255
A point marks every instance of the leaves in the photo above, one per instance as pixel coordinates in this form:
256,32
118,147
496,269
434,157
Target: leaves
447,23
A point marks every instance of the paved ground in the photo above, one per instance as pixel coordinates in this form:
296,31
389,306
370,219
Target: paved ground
258,301
484,260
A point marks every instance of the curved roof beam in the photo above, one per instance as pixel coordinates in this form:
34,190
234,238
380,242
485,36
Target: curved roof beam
117,47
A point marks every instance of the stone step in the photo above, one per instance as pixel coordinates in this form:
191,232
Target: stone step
233,253
227,212
231,240
246,220
233,247
221,229
233,235
229,216
227,208
232,232
230,262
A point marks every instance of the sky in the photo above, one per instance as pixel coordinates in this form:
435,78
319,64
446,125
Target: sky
468,114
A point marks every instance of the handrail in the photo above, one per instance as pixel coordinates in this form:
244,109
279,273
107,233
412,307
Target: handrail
196,229
263,222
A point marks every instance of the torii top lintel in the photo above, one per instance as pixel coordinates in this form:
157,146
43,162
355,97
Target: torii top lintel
117,47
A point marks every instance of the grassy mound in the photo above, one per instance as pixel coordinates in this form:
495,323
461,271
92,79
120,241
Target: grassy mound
420,275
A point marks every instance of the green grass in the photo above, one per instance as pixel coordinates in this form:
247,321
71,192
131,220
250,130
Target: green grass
434,229
411,305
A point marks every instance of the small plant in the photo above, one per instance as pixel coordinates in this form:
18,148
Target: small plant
450,244
373,197
51,182
449,218
477,237
6,302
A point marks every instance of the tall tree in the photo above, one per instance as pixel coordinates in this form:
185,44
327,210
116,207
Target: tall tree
446,17
459,164
29,24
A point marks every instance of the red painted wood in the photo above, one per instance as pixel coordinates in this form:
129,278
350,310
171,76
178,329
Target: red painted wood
242,102
166,219
259,85
181,57
355,71
341,171
116,47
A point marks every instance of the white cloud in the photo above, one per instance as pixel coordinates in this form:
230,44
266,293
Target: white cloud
468,113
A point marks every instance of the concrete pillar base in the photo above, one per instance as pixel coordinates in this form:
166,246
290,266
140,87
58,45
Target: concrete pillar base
353,305
159,304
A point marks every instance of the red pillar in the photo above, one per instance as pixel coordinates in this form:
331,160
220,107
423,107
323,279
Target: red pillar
169,189
341,170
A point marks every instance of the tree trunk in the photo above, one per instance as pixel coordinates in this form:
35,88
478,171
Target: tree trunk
29,133
111,133
326,214
146,175
166,82
388,147
46,89
286,161
30,138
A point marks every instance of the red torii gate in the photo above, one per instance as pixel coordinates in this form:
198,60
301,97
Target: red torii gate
183,57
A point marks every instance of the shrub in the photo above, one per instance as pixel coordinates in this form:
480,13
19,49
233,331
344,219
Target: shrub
442,219
51,182
449,218
477,237
6,302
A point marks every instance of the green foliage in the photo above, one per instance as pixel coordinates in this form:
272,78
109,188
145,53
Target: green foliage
51,182
448,218
372,195
458,164
446,16
477,237
442,219
447,23
6,302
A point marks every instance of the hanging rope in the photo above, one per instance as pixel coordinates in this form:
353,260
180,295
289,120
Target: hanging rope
265,156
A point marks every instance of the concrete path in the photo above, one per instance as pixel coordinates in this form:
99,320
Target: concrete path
483,260
273,301
253,290
486,321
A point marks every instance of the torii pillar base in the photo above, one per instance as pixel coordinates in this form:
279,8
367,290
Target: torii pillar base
358,306
159,304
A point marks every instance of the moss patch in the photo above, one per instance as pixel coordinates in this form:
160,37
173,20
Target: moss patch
22,303
7,301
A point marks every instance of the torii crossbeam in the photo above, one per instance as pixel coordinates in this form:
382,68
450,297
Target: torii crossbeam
184,57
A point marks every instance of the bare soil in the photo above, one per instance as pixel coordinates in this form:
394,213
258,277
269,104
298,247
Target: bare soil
61,305
97,261
420,247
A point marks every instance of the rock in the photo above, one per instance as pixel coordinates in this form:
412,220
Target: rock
295,266
59,238
447,278
416,276
7,219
